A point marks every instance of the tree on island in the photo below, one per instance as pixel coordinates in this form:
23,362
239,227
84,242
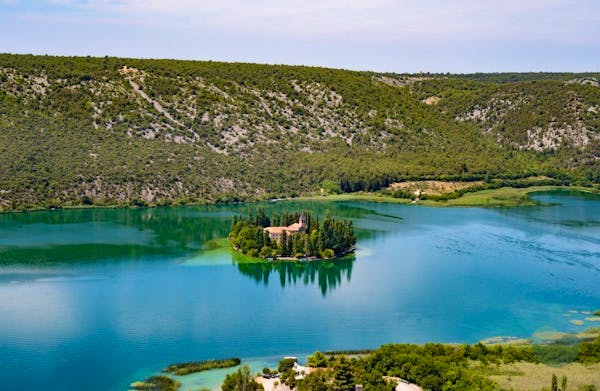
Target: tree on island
328,239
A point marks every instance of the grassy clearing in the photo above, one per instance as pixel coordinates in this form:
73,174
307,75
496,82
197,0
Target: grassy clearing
502,197
431,186
358,196
523,376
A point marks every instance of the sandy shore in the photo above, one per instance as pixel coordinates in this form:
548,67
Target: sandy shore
408,387
275,384
402,385
269,384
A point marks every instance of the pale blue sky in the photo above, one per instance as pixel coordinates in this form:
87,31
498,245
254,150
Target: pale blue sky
383,35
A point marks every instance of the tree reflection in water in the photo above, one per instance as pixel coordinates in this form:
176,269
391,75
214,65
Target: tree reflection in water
328,274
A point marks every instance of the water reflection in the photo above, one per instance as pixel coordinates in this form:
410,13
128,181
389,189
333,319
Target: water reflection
99,235
84,237
95,235
327,274
561,207
138,289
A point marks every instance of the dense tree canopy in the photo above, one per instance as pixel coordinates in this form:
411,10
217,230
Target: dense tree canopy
436,366
326,239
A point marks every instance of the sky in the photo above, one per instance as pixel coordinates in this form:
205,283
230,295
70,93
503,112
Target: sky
458,36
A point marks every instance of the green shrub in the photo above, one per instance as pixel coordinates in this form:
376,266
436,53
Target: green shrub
589,352
328,253
285,365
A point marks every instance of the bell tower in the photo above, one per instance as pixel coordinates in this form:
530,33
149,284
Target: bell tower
302,221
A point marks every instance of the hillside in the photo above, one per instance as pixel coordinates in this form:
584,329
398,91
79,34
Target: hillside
104,131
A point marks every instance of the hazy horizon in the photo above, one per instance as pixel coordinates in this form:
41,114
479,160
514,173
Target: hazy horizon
465,36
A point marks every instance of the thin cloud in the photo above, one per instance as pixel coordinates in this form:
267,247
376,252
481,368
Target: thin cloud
322,31
383,20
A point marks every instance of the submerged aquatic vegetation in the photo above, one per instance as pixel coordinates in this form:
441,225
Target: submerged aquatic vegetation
156,383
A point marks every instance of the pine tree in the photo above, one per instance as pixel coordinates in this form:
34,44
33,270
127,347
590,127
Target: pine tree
241,380
261,219
299,241
282,245
554,384
343,381
290,245
276,220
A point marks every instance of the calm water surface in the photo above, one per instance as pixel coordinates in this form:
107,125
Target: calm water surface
95,299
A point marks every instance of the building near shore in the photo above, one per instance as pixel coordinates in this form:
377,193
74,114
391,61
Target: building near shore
276,233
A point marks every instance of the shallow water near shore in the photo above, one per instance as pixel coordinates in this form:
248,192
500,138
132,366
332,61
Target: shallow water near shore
96,299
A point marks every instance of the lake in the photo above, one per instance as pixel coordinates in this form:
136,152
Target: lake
95,299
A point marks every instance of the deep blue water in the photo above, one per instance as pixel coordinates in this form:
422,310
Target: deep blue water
95,299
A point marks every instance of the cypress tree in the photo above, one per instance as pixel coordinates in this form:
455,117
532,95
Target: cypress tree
344,381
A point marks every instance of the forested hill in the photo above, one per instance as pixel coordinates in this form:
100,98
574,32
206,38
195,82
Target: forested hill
127,131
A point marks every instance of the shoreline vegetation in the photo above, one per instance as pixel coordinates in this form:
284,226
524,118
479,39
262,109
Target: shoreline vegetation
186,368
505,196
163,382
291,236
499,363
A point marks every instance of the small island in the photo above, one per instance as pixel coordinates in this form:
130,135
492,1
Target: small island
186,368
291,236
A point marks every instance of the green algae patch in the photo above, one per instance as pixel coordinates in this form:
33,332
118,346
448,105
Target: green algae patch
588,334
549,335
213,252
593,319
503,340
216,244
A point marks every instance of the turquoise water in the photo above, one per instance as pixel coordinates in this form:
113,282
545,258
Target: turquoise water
96,299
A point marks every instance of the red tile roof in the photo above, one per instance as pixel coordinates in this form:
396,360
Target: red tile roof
279,230
294,227
275,230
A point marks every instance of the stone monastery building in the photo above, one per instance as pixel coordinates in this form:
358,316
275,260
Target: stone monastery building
276,233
